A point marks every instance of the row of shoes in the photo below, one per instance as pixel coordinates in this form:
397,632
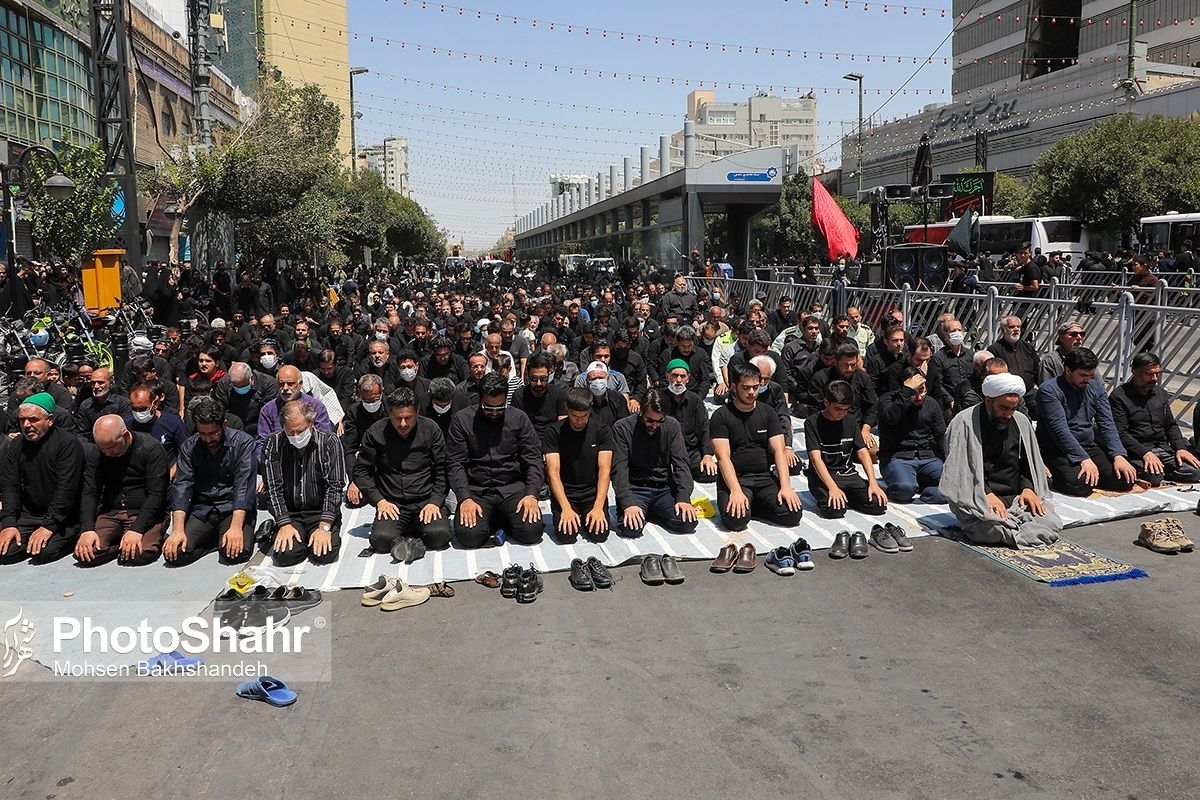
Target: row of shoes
390,593
251,611
659,569
887,538
587,576
1165,536
523,585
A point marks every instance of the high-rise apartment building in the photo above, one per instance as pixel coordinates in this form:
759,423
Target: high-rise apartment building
723,128
390,160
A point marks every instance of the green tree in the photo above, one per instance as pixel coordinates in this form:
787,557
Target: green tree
1119,171
786,229
1010,195
261,171
70,229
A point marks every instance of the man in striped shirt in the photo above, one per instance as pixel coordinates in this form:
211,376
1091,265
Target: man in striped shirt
305,477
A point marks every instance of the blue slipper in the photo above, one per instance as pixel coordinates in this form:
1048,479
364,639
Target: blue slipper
270,690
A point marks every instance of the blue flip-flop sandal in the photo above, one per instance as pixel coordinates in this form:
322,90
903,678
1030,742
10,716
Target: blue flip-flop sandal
267,689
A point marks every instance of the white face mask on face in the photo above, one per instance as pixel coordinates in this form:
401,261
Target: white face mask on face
598,387
440,409
956,338
268,361
407,374
372,406
143,416
381,336
301,440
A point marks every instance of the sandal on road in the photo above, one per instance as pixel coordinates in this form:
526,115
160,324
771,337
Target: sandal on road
267,689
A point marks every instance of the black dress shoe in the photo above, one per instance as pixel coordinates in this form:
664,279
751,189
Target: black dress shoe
581,576
858,545
670,569
652,571
841,545
600,574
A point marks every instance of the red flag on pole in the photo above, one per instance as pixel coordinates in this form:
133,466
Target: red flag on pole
839,232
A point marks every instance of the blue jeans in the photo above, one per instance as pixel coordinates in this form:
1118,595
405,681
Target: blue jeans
906,477
658,505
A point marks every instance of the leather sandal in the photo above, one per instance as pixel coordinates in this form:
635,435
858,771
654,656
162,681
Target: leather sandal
489,579
440,590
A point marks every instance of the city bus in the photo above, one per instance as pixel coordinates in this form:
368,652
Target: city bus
999,235
1167,231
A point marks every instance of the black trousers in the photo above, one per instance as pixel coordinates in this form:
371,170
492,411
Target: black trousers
697,475
1172,471
581,504
386,532
1064,475
59,544
855,488
498,512
764,507
203,536
305,522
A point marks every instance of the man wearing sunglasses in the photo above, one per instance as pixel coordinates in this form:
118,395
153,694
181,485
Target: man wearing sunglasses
650,472
494,465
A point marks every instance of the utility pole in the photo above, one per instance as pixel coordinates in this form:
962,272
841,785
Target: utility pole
353,119
1130,72
858,78
199,14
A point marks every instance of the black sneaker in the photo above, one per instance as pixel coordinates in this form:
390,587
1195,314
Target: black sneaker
581,576
530,585
858,545
600,574
882,540
899,537
509,580
841,545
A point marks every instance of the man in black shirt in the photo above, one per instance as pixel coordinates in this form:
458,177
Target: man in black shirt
494,461
748,439
244,392
124,504
835,443
608,405
1142,414
578,466
401,470
687,407
41,479
864,403
650,475
101,403
911,447
305,477
540,399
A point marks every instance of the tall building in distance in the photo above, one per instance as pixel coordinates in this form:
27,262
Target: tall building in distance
1028,74
390,160
724,128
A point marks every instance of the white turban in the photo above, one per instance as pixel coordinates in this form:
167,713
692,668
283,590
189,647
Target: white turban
1004,383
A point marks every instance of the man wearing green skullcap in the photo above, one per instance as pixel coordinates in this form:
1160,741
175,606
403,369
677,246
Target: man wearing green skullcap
41,480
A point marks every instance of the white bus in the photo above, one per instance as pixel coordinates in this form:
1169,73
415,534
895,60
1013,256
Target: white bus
999,235
1167,231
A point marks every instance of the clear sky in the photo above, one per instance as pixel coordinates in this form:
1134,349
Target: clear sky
485,136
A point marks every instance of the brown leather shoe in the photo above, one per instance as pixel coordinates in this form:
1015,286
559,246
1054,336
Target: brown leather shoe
747,559
725,559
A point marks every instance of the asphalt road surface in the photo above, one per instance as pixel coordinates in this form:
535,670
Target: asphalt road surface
933,674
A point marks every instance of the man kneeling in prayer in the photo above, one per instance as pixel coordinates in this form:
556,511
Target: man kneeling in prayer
994,478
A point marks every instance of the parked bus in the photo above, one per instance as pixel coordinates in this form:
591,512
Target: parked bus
1167,231
999,235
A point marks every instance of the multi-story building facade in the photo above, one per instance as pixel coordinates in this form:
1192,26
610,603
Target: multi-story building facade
390,160
723,128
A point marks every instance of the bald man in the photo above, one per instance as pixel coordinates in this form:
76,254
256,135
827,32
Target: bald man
124,504
41,479
104,400
288,379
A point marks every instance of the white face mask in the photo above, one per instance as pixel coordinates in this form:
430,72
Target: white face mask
381,336
301,440
143,416
599,386
407,374
440,409
677,388
373,406
268,361
956,338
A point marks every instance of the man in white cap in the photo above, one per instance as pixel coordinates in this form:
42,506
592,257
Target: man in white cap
608,405
994,478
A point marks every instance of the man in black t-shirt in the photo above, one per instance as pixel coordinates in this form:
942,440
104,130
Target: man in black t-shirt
539,398
578,465
834,444
747,438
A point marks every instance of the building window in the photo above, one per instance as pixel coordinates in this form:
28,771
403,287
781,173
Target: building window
1050,47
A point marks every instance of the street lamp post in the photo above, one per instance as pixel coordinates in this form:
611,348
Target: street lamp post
353,145
858,78
58,186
